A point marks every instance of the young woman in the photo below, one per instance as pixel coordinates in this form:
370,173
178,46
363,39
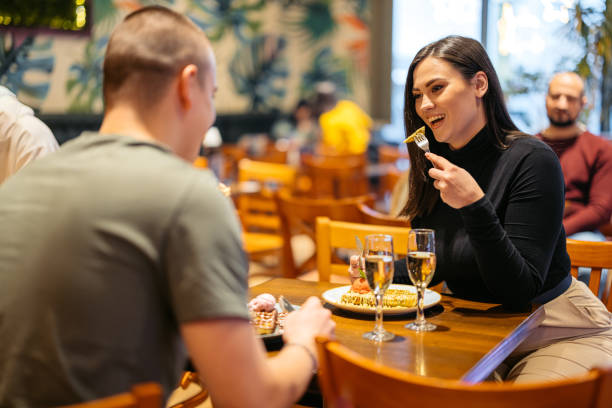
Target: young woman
494,197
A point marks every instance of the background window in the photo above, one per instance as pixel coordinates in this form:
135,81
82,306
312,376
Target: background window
527,41
416,24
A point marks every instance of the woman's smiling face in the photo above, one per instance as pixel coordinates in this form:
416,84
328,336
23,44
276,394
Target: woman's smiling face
448,103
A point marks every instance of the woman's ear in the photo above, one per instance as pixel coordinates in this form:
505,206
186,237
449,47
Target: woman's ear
480,82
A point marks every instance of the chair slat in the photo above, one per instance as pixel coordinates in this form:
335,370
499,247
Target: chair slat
597,256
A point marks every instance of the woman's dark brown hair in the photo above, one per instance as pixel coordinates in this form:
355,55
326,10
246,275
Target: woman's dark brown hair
468,57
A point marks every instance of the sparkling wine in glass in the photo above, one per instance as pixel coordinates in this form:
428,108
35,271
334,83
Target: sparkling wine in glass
378,256
421,262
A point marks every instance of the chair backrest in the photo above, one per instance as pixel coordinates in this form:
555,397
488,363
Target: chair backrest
371,216
597,256
258,211
348,379
391,154
339,234
336,176
298,216
232,154
201,162
145,395
399,193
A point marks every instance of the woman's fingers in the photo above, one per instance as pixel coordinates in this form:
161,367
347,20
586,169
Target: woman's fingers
457,187
438,161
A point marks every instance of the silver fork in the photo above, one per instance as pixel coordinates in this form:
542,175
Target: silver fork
421,141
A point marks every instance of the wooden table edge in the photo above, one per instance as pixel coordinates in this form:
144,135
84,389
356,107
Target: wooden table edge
485,366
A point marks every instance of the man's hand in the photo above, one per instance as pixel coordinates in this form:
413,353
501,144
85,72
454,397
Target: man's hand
457,187
311,320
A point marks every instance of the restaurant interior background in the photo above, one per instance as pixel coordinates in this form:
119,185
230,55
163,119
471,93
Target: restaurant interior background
272,53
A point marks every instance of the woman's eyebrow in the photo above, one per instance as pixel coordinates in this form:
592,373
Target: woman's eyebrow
427,84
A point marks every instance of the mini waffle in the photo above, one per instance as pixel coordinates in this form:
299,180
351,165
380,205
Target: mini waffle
264,322
392,298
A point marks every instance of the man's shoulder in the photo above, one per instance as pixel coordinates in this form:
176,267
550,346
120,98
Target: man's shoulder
127,161
592,138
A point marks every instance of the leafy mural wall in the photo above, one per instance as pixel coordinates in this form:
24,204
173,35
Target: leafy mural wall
269,54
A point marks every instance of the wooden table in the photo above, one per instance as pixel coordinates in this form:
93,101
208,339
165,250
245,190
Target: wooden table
471,340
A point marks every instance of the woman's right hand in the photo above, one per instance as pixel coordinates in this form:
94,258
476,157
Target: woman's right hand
457,187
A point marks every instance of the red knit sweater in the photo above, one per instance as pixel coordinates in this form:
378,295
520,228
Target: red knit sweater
587,168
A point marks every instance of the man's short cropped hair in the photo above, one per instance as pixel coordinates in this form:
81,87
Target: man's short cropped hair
147,50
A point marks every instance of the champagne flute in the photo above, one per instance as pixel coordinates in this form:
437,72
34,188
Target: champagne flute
421,266
378,256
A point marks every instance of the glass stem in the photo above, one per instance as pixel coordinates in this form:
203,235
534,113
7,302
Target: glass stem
420,319
378,325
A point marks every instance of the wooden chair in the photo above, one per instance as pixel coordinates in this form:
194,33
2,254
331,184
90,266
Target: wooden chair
145,395
348,379
391,154
232,154
399,193
192,386
258,212
272,154
596,256
371,216
298,216
338,234
201,162
336,176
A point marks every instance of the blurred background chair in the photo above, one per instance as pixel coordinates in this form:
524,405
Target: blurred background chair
391,154
331,235
145,395
231,155
298,215
257,211
596,256
348,379
397,162
371,216
191,393
201,162
336,176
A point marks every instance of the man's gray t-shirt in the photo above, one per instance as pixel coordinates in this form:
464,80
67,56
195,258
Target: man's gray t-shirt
106,246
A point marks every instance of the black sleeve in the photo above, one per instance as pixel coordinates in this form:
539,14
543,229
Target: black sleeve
400,274
514,250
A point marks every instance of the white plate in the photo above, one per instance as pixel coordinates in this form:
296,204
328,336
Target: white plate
334,295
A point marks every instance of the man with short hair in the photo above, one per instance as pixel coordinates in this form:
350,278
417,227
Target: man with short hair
116,253
23,137
586,159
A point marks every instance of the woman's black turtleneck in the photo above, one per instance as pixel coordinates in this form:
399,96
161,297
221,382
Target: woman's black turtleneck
509,246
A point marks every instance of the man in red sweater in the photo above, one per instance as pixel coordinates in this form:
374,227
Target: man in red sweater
586,159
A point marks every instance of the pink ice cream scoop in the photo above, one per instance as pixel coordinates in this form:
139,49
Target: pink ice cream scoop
262,303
